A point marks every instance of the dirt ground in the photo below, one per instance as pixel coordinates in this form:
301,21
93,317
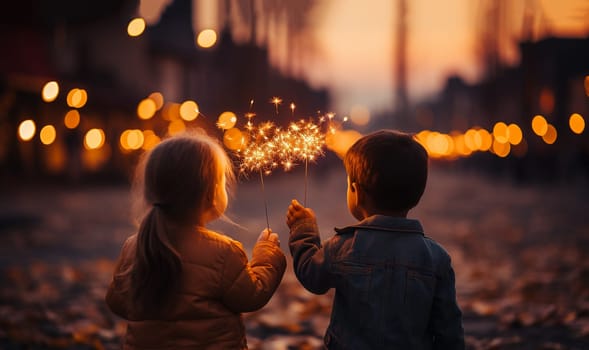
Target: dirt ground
520,254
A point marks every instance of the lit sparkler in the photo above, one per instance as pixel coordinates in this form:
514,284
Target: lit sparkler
258,154
302,140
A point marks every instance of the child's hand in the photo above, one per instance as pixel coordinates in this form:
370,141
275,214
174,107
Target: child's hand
268,235
297,212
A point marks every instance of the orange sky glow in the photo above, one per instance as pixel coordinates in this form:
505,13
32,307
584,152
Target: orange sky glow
356,39
352,42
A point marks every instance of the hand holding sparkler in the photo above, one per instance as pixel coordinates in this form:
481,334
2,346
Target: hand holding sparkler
296,212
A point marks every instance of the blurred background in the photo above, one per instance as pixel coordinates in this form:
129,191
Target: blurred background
496,90
478,79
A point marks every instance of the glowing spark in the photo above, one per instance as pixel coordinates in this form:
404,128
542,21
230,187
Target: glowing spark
276,101
310,139
259,153
301,141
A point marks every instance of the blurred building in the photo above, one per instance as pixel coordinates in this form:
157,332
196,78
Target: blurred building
551,81
86,46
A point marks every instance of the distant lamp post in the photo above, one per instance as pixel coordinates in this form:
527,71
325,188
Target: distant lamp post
206,38
136,27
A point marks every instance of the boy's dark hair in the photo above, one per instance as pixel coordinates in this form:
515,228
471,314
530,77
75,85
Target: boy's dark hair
391,167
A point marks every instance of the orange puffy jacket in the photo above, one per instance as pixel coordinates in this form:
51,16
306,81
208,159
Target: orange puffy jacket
217,285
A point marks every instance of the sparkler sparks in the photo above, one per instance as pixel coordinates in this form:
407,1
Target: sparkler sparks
259,152
276,101
307,139
264,146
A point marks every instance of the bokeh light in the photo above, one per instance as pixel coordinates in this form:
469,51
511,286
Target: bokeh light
94,139
176,126
501,132
472,140
26,130
47,134
150,140
123,140
439,145
539,125
226,120
501,149
551,134
460,147
577,123
189,110
77,98
158,98
171,111
233,139
136,27
514,134
50,91
206,38
72,119
421,137
360,115
146,108
135,139
339,141
486,140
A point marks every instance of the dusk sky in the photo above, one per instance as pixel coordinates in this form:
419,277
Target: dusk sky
357,42
353,42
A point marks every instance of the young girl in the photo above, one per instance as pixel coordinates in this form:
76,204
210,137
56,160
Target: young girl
180,285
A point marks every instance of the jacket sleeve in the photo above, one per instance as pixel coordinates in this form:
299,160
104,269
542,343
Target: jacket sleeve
249,286
446,317
310,263
117,294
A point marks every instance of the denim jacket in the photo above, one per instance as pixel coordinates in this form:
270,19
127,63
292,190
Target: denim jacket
394,287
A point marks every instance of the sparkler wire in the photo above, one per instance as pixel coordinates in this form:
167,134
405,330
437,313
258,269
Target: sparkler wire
306,180
264,196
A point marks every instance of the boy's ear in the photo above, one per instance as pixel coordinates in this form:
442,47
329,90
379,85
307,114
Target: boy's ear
353,187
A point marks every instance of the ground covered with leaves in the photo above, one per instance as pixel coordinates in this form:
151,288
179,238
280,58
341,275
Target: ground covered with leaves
520,253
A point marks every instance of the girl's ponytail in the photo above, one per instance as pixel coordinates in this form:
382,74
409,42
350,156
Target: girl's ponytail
177,181
157,265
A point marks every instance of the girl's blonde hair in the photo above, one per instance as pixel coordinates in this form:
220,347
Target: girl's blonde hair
177,181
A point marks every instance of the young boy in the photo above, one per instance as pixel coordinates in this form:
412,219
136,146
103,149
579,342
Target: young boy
394,287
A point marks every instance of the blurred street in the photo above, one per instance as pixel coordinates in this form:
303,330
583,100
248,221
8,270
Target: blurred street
520,254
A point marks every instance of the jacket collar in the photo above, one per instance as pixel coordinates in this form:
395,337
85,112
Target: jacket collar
385,223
